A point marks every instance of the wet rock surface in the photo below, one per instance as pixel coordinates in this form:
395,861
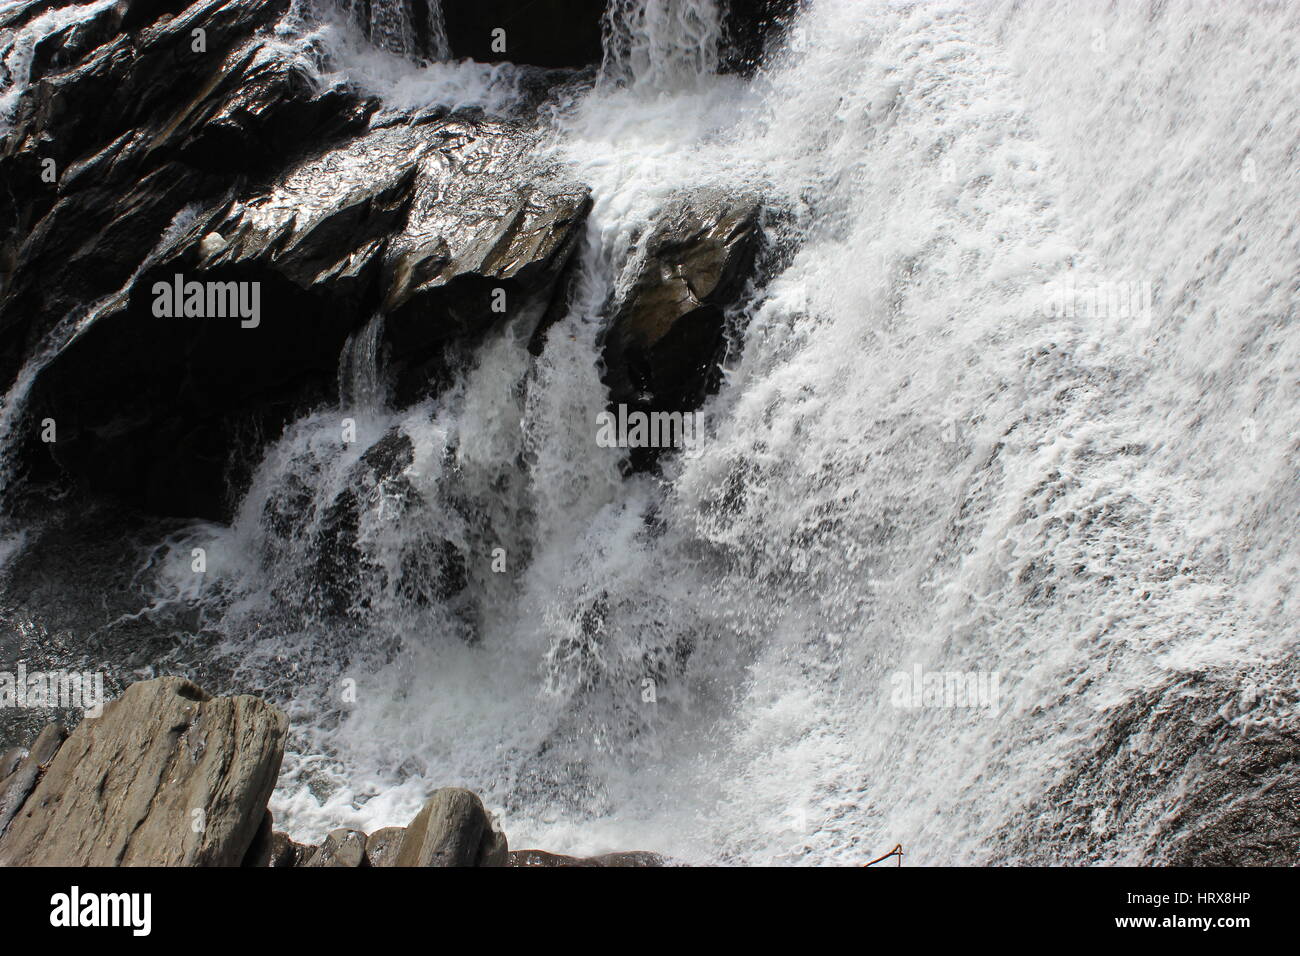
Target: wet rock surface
439,226
442,222
666,330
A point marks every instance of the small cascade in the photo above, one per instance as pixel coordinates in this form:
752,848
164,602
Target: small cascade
415,29
361,383
661,44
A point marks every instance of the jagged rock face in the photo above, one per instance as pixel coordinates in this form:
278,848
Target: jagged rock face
432,221
107,146
121,128
127,788
666,330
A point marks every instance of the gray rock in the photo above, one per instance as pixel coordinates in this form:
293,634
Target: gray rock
342,847
18,785
452,829
168,776
383,845
665,332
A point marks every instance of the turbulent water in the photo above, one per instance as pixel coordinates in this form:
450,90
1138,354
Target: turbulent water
1017,398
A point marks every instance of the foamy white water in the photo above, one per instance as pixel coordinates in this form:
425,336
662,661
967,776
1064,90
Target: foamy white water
1021,402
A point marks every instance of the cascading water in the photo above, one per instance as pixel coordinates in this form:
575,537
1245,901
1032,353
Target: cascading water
661,43
1018,402
392,25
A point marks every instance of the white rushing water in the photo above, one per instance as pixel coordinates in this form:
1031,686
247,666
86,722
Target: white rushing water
1021,404
391,25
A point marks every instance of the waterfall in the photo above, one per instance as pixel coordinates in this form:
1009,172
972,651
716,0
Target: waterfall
661,43
415,29
360,372
1014,410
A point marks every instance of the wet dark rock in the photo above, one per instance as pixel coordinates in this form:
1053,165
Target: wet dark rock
536,858
432,569
342,847
665,334
485,216
141,127
22,13
124,110
64,48
425,222
750,28
167,776
1173,761
18,785
452,829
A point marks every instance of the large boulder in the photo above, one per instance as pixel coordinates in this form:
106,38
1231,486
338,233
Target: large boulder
665,333
452,829
167,776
